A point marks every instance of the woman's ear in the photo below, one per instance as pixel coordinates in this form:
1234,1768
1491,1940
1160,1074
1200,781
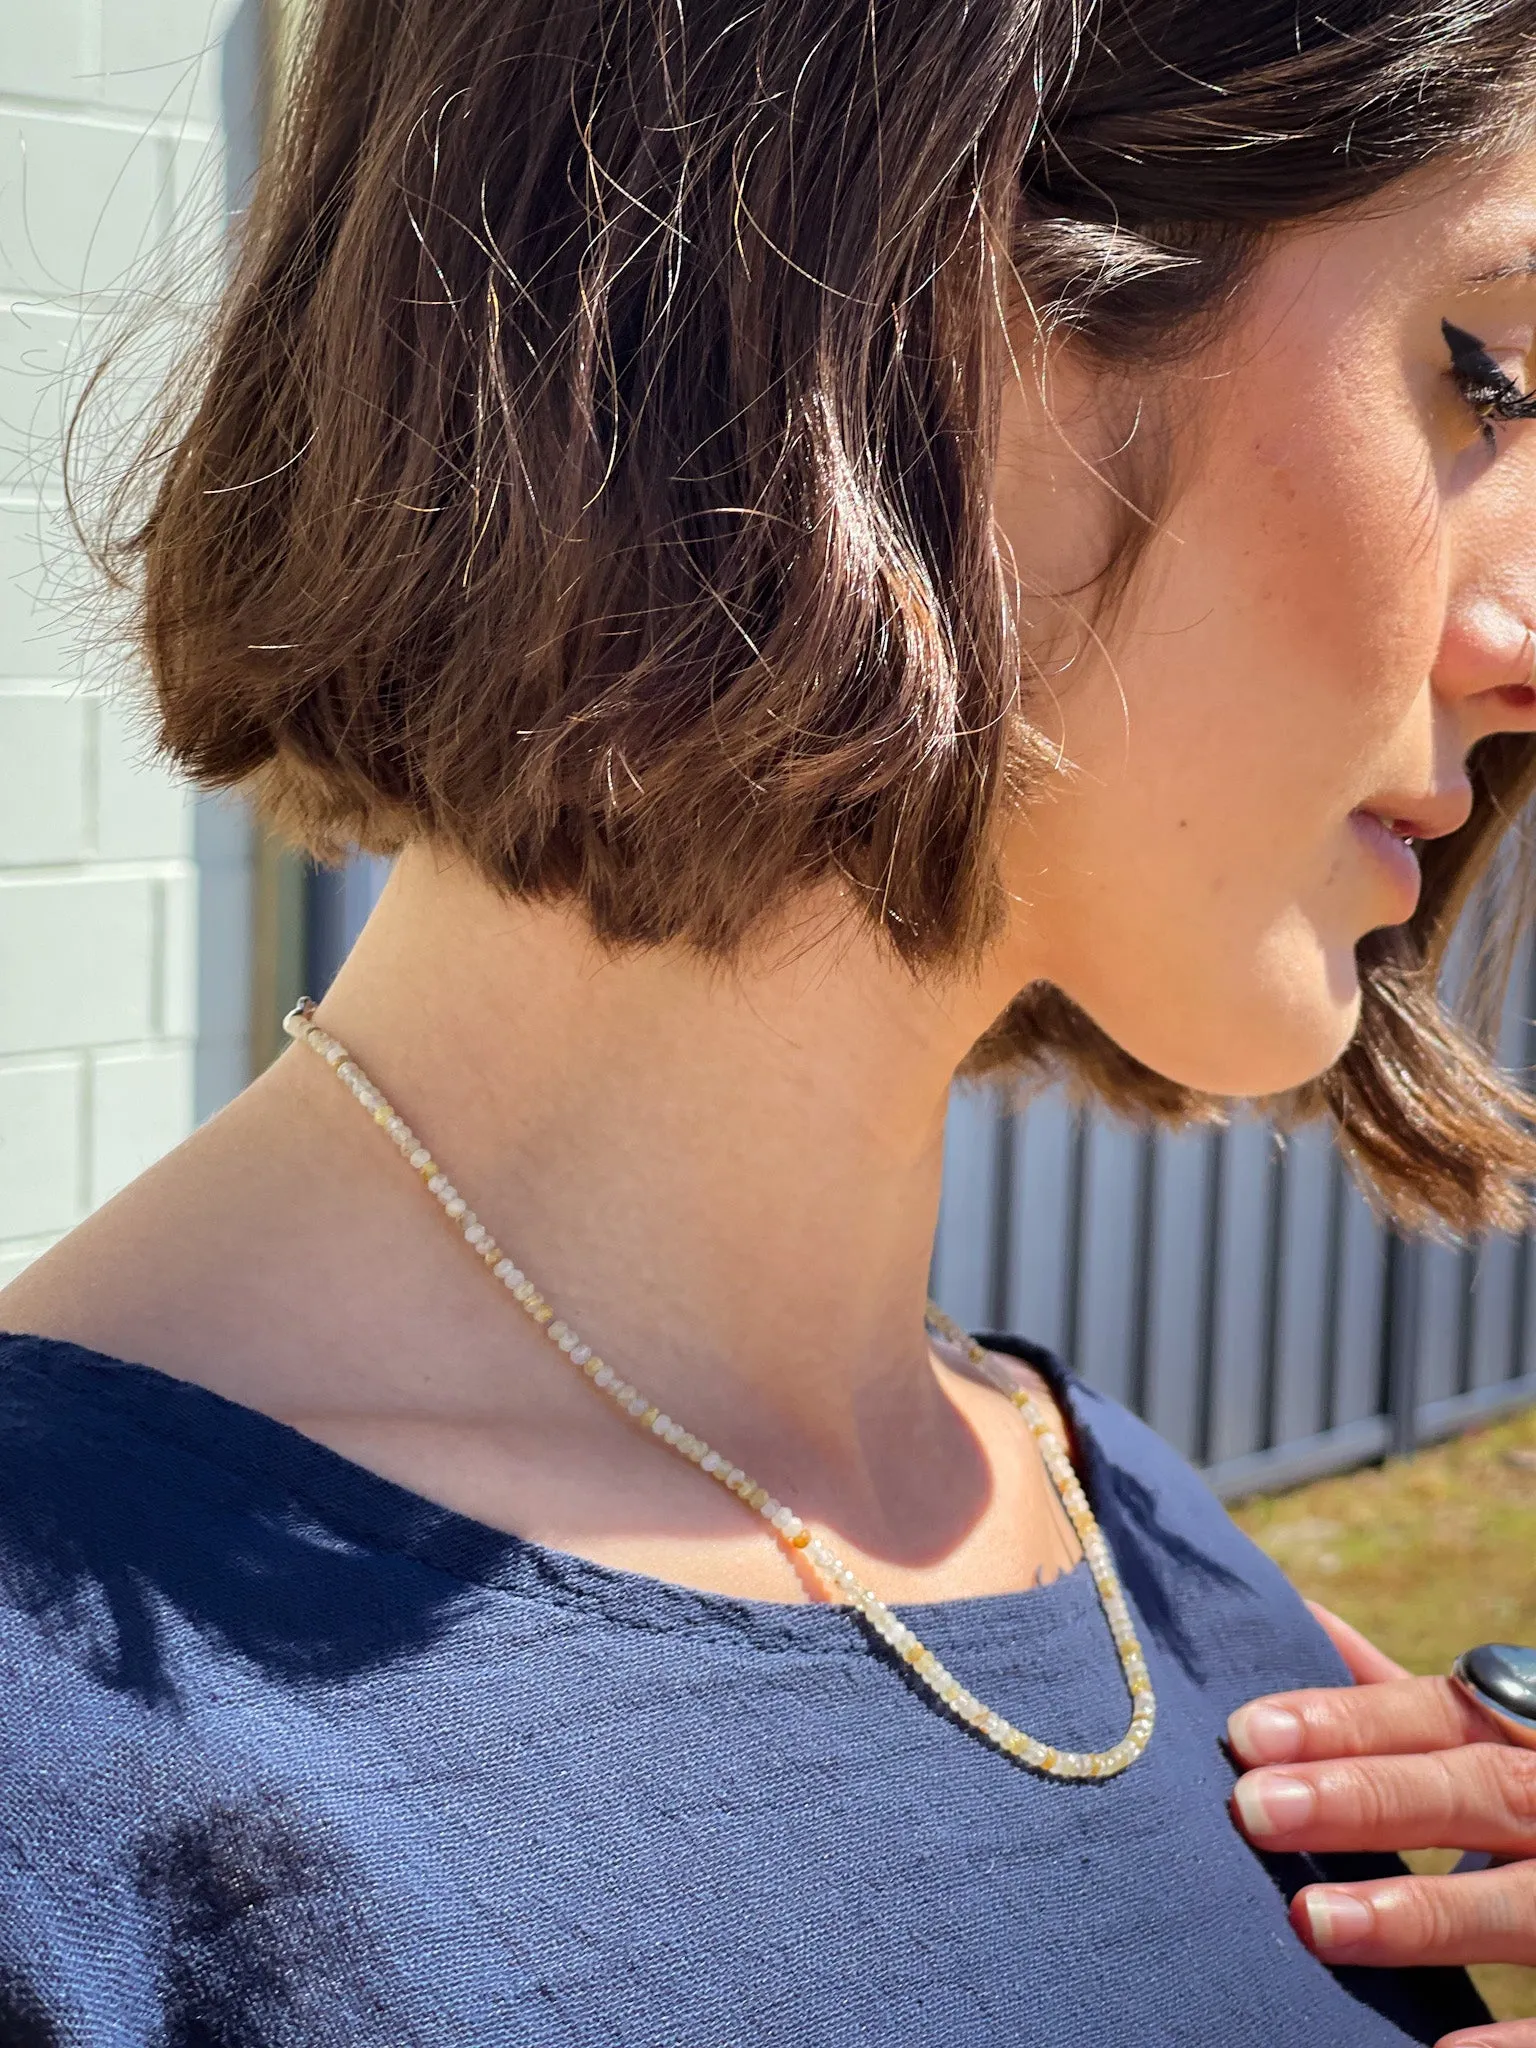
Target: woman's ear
1054,501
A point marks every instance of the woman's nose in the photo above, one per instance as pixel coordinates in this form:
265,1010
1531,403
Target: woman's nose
1486,666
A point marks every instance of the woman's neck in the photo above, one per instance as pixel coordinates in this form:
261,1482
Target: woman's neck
733,1171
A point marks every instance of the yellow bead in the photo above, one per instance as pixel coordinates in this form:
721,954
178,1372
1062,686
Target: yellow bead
800,1538
756,1497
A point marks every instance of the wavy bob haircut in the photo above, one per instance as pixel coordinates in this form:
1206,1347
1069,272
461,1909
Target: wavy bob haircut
591,467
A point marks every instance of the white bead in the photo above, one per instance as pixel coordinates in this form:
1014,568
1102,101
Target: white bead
661,1425
605,1378
580,1353
475,1234
711,1462
502,1268
455,1206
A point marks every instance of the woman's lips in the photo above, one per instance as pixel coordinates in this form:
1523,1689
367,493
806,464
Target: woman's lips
1394,854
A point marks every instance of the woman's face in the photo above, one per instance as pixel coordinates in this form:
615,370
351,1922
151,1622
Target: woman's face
1336,605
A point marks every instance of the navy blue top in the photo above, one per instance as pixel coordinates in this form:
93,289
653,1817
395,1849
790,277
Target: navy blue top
291,1757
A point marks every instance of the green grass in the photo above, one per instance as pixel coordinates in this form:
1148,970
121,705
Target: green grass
1426,1555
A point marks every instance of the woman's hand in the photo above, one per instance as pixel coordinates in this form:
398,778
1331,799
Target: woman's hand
1396,1762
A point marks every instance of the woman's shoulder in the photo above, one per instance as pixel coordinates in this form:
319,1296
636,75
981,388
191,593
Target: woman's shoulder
80,1660
156,1538
82,1428
87,1480
60,1429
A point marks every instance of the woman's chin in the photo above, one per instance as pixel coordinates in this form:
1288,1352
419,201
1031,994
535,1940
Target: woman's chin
1245,1050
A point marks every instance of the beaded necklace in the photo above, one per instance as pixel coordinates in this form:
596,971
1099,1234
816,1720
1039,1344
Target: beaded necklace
792,1533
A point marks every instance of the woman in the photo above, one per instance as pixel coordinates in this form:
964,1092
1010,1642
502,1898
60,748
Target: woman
838,546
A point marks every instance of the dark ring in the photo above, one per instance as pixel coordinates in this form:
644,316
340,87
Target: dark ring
1500,1681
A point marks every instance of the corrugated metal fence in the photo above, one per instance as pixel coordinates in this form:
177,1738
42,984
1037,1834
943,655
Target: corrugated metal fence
1233,1289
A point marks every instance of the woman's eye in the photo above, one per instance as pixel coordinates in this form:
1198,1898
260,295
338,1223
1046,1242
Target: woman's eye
1490,393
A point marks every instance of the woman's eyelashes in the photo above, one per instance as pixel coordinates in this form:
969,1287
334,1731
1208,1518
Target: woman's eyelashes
1490,392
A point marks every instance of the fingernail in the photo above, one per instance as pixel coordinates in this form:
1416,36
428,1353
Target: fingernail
1269,1803
1265,1735
1336,1919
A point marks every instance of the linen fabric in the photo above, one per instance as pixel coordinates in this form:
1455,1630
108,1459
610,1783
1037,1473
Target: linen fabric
291,1757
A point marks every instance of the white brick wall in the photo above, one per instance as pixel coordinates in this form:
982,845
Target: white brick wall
124,903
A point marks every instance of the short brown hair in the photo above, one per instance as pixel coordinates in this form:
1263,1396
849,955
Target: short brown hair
592,466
